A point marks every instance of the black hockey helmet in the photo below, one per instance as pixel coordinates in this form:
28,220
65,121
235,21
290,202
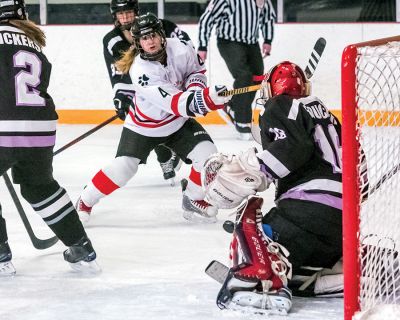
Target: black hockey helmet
12,9
123,5
144,25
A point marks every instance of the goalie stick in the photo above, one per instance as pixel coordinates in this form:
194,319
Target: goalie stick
46,243
313,61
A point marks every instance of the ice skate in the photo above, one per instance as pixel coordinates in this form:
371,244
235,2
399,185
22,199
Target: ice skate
197,210
6,266
83,210
82,257
243,129
170,167
278,302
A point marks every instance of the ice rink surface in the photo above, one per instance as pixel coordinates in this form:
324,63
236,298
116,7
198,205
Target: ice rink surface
153,260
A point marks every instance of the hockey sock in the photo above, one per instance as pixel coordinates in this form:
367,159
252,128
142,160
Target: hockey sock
52,203
163,153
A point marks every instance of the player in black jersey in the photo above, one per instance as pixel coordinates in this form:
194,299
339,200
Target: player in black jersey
117,41
27,136
301,142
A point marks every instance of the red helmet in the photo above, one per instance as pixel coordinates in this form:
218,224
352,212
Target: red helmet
287,78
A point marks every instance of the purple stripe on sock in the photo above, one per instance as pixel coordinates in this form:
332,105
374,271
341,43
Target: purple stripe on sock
27,141
325,199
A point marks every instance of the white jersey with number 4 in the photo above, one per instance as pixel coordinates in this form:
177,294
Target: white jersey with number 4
163,93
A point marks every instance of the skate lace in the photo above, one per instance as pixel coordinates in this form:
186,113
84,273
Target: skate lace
167,166
200,204
83,207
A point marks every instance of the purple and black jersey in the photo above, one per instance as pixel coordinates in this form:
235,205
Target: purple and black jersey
27,112
302,150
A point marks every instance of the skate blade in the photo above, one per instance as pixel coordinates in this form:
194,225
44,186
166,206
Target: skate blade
89,268
257,303
251,310
196,218
7,269
171,182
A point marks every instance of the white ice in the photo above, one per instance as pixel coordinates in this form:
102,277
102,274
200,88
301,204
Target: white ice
153,260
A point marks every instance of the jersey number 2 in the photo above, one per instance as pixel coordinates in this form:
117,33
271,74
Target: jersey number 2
27,80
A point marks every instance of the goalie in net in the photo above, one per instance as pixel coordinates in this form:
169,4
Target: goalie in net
301,142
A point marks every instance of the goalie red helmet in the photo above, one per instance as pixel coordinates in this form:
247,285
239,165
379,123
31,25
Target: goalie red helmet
12,9
287,78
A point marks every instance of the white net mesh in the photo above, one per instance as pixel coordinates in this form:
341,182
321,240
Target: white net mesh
378,98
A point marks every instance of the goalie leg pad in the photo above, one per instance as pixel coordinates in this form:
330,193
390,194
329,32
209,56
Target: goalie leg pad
262,258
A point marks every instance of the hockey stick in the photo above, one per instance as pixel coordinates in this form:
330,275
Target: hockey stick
384,178
46,243
313,61
37,243
316,54
232,92
217,271
83,136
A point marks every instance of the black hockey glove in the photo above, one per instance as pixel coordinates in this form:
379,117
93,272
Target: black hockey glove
121,104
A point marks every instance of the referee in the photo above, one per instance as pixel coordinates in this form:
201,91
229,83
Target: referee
237,25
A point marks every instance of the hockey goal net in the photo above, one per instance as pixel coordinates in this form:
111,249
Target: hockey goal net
371,174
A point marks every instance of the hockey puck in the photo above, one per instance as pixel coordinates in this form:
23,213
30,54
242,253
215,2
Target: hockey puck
228,226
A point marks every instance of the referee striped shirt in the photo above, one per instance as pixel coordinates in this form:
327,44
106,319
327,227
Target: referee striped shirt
237,20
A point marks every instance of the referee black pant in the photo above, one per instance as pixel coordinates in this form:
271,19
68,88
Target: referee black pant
243,61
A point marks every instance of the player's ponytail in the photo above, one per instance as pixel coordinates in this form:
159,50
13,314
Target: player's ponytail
32,31
128,57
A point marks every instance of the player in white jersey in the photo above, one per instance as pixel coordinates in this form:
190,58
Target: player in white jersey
170,84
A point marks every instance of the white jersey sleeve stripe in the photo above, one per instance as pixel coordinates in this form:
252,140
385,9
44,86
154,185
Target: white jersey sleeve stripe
175,103
278,168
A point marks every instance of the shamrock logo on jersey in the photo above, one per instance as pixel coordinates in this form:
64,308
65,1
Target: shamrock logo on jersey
143,80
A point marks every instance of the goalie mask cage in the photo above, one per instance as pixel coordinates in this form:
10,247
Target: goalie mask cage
371,177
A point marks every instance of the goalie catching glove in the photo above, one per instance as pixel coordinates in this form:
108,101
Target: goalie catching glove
260,270
228,180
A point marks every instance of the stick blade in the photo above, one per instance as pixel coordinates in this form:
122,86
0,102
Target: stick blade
320,45
217,271
316,54
45,243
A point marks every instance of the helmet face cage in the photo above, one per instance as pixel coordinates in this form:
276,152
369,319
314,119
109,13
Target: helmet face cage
144,25
13,9
123,5
287,78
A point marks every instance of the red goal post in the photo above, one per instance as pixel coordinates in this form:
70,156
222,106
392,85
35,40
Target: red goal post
371,177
